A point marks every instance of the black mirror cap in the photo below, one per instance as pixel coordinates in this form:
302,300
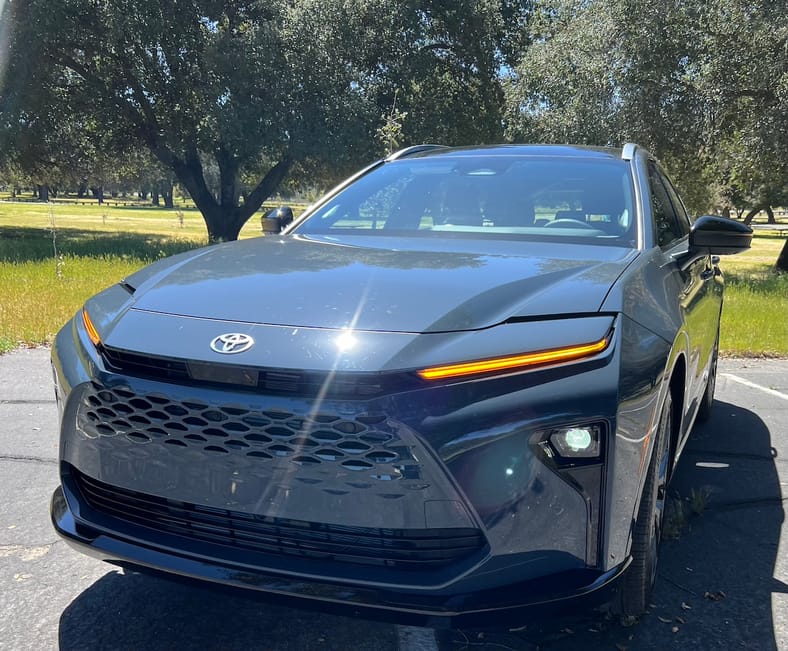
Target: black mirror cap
277,219
716,235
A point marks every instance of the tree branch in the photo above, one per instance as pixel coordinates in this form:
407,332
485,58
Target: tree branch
145,124
764,94
265,188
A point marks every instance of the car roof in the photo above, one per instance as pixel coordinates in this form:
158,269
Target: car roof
562,151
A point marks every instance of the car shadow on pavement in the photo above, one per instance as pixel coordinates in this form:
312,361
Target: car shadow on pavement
133,611
716,587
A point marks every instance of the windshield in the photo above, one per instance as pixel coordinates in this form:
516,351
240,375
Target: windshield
587,199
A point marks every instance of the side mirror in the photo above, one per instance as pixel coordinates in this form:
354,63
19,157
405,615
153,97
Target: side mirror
277,219
715,235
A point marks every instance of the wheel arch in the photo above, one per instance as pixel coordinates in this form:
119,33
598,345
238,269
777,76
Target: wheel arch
674,381
677,386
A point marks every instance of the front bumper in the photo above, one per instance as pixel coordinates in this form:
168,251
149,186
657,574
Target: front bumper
563,593
452,457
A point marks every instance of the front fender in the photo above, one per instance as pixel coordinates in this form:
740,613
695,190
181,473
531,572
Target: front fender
647,361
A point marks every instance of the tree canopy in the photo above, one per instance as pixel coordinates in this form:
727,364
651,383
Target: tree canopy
702,84
229,97
247,86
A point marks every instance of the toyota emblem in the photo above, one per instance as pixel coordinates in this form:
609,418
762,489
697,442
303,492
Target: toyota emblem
232,342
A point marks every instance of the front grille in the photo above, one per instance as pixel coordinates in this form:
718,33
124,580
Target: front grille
145,366
271,381
364,442
405,549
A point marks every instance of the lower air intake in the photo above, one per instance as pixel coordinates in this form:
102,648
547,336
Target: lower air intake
405,549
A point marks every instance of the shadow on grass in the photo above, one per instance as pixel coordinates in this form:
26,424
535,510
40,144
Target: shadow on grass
767,280
115,204
24,244
152,208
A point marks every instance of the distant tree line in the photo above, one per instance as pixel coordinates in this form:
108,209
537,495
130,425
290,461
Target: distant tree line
235,100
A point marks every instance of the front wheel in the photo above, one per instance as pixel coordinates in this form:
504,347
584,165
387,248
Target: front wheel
639,580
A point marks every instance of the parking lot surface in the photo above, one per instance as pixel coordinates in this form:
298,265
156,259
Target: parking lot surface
723,578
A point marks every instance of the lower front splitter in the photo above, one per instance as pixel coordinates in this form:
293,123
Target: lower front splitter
563,593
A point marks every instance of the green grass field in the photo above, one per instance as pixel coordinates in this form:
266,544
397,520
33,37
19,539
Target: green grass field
98,245
755,314
178,223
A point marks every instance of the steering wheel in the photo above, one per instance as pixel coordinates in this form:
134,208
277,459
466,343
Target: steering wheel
568,223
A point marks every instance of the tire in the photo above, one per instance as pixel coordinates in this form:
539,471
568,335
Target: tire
639,579
706,403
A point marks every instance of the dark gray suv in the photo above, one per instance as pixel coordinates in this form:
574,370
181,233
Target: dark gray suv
452,391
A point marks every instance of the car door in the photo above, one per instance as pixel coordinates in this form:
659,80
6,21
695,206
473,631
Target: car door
700,297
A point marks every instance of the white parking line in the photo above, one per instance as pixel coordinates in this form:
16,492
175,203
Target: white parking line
412,638
752,385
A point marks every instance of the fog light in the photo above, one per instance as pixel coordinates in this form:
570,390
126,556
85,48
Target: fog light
577,442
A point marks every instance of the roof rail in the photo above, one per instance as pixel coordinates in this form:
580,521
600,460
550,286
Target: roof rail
409,151
628,152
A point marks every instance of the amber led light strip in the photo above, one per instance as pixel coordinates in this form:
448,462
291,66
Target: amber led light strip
90,328
514,362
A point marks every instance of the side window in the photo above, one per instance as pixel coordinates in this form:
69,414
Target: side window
665,219
678,204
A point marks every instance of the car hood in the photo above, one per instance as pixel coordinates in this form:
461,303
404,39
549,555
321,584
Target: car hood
381,283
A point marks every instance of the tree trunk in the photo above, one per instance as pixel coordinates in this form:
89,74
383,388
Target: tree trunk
166,192
224,219
752,214
154,196
98,193
228,180
83,188
43,193
782,259
770,215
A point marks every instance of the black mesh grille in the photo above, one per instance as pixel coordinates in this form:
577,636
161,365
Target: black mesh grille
406,549
364,442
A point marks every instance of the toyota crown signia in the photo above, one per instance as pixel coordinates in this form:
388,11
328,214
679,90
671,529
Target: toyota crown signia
452,392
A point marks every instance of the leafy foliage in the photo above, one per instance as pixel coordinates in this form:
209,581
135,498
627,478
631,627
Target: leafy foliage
237,98
247,88
704,85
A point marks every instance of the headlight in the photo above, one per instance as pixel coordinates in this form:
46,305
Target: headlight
90,328
516,363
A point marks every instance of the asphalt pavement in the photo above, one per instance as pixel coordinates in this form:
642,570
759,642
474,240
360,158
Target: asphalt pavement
722,581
